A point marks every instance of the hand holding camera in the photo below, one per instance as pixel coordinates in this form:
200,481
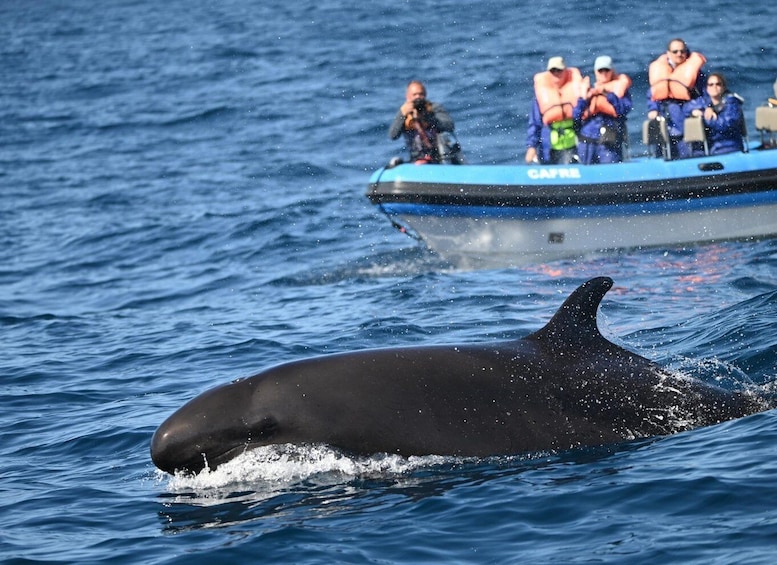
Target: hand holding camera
412,110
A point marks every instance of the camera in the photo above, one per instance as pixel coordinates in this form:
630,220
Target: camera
419,104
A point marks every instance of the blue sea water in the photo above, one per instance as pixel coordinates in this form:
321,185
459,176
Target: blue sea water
183,203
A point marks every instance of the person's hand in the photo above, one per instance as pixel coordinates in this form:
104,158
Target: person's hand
653,114
709,114
407,108
593,91
531,156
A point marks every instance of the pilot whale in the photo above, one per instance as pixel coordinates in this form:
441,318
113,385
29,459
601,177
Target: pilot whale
561,387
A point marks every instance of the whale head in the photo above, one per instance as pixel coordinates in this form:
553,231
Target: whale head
211,429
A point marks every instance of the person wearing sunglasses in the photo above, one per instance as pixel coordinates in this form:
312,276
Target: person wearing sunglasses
600,114
721,111
676,77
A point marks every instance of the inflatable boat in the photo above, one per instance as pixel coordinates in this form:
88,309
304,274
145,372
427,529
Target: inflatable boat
499,215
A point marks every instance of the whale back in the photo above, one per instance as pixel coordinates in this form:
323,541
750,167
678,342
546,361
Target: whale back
574,323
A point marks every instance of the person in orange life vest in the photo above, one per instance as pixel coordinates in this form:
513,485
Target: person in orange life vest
420,121
722,114
600,115
676,78
550,137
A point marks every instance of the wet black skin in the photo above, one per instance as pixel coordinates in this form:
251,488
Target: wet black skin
562,387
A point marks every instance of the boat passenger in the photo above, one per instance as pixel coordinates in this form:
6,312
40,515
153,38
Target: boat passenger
676,78
600,115
550,137
421,122
721,111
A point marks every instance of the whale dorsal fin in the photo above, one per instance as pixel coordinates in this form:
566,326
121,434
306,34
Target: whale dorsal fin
575,322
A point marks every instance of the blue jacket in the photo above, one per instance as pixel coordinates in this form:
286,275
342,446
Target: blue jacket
591,127
538,134
724,134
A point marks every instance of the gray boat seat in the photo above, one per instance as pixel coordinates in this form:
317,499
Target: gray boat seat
693,131
766,123
655,132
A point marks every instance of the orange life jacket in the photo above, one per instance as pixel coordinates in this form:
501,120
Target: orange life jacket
599,104
557,102
675,84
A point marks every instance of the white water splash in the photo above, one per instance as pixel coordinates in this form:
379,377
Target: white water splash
275,467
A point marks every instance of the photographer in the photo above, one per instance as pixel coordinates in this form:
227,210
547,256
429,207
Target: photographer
422,123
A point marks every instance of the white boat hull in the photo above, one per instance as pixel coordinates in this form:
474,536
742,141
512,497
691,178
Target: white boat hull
488,241
477,215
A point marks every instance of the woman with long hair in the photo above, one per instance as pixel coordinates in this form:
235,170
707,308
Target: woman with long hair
721,111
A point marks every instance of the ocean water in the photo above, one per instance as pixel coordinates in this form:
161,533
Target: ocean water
183,203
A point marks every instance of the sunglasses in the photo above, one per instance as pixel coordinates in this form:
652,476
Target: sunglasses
676,51
714,84
603,70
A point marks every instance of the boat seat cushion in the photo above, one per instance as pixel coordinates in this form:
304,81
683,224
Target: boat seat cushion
693,129
766,118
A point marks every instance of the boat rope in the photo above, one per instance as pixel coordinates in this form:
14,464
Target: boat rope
403,229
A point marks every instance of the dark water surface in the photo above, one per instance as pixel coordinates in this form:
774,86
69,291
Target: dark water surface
182,188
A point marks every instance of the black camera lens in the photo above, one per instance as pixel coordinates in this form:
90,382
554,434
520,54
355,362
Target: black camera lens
419,104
